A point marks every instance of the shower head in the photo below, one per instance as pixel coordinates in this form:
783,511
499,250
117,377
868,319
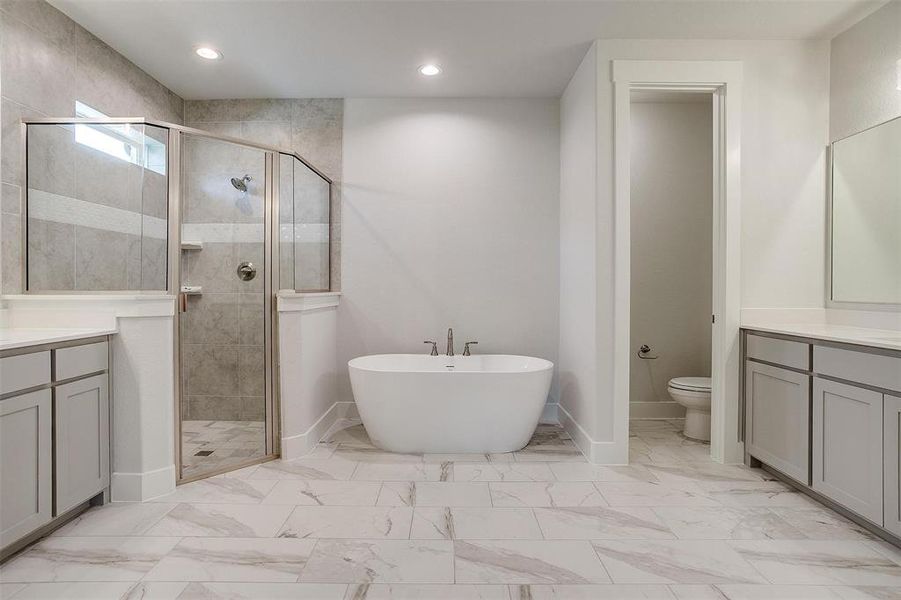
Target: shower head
241,184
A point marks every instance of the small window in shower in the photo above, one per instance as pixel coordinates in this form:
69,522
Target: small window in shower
125,141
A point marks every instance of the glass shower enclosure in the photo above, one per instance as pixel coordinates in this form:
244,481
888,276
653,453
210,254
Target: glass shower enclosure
221,224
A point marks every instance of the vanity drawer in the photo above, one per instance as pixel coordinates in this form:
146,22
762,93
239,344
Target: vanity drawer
80,360
780,352
877,370
24,371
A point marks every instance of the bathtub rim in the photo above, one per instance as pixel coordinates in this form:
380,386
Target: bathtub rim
544,365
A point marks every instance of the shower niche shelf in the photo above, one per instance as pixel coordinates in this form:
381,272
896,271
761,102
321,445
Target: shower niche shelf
190,245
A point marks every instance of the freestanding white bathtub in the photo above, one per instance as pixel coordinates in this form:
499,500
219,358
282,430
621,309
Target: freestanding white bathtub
437,404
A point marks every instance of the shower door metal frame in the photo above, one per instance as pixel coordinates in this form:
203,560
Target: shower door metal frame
270,289
271,224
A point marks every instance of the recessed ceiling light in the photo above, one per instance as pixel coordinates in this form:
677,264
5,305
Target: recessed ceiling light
208,53
429,70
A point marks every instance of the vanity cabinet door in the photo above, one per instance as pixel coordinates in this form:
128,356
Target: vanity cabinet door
26,451
779,418
893,464
847,446
82,441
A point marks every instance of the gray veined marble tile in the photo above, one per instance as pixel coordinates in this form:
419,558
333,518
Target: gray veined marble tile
474,523
598,522
518,561
694,472
306,468
653,494
518,471
755,493
674,561
359,522
434,493
374,455
724,523
590,472
156,590
866,592
93,590
233,559
118,518
260,591
468,457
87,559
820,523
220,490
380,561
591,592
820,562
221,520
352,436
773,592
8,589
401,471
406,591
548,494
324,493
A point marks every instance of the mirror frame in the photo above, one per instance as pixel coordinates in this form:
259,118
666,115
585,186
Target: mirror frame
846,304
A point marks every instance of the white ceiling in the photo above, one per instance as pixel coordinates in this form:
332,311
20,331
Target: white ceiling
295,49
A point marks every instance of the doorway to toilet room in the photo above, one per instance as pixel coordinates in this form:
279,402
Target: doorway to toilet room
671,227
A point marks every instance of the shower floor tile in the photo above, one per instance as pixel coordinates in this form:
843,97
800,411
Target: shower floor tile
211,445
350,521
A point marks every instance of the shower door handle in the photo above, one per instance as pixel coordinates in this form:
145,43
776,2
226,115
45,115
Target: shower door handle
182,302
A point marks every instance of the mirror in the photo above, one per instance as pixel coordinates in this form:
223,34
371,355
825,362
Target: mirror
866,216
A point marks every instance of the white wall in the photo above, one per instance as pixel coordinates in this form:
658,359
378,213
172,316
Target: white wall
577,364
671,246
307,330
784,134
864,75
450,219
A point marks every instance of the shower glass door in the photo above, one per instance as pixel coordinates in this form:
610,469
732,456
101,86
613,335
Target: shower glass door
222,307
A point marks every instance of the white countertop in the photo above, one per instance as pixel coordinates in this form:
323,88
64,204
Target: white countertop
875,338
24,337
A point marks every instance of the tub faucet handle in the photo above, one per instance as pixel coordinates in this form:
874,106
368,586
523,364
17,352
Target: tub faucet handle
466,348
434,351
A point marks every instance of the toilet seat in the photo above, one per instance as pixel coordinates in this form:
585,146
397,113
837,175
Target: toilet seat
690,384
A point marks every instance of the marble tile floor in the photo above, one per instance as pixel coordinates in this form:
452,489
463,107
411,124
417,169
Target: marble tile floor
350,522
211,445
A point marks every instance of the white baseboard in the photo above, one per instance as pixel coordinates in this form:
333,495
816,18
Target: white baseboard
301,444
597,452
656,410
138,487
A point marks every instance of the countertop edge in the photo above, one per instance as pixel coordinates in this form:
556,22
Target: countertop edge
857,336
52,336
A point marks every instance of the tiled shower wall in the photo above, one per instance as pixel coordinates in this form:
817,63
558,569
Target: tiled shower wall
311,127
47,62
222,335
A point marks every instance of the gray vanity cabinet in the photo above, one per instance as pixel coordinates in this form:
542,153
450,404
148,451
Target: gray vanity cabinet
81,417
892,443
848,446
778,418
26,448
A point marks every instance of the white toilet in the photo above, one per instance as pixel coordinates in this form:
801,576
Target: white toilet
694,394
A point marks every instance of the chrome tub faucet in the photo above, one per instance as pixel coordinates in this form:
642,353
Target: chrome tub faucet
450,342
434,351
